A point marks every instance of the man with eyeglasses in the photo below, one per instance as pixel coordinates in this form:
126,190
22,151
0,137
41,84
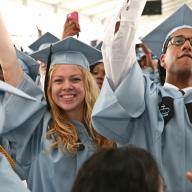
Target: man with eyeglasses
133,110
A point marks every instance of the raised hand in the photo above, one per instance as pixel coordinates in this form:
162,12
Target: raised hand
71,28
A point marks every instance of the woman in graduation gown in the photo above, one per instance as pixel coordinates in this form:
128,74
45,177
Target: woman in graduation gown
52,138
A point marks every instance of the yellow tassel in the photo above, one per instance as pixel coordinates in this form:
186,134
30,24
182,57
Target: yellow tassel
8,157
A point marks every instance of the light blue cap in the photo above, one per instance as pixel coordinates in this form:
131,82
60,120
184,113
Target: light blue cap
43,42
156,40
28,64
98,46
69,51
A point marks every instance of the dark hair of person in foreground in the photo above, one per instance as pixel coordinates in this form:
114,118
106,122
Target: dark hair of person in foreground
126,169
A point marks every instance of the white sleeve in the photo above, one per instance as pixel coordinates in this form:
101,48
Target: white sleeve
119,50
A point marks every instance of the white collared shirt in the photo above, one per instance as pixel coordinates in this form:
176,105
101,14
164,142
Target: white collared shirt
118,61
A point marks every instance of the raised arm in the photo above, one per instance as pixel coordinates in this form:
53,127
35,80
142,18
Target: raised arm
119,48
70,28
119,100
12,71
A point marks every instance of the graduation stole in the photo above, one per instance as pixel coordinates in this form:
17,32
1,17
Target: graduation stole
166,108
8,157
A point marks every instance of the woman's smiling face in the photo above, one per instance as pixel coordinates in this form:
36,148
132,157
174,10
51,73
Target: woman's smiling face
68,88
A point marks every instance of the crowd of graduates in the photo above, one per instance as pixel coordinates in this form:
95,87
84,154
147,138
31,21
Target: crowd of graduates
115,117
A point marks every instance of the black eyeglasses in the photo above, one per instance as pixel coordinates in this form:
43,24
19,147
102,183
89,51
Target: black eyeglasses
179,40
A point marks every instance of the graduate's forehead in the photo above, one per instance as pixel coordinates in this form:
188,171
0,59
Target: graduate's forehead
184,31
66,69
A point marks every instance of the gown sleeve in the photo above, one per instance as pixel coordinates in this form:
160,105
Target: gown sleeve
9,181
122,95
24,121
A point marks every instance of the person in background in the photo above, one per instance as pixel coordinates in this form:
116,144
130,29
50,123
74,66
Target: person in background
98,72
147,63
124,169
131,109
97,69
53,137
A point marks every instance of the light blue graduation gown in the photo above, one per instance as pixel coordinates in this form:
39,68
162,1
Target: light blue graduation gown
47,170
11,150
9,181
130,115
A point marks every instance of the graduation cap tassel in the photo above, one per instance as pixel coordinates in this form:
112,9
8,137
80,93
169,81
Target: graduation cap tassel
47,77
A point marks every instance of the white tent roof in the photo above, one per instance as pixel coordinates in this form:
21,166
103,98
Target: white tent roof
100,9
21,16
103,9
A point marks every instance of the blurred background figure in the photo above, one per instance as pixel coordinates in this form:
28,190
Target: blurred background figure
71,27
147,61
97,69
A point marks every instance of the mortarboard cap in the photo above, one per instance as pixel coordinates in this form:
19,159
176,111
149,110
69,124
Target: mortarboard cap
98,46
69,51
156,39
44,41
28,64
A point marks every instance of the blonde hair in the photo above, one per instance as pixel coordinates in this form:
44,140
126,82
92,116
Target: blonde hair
62,131
7,156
